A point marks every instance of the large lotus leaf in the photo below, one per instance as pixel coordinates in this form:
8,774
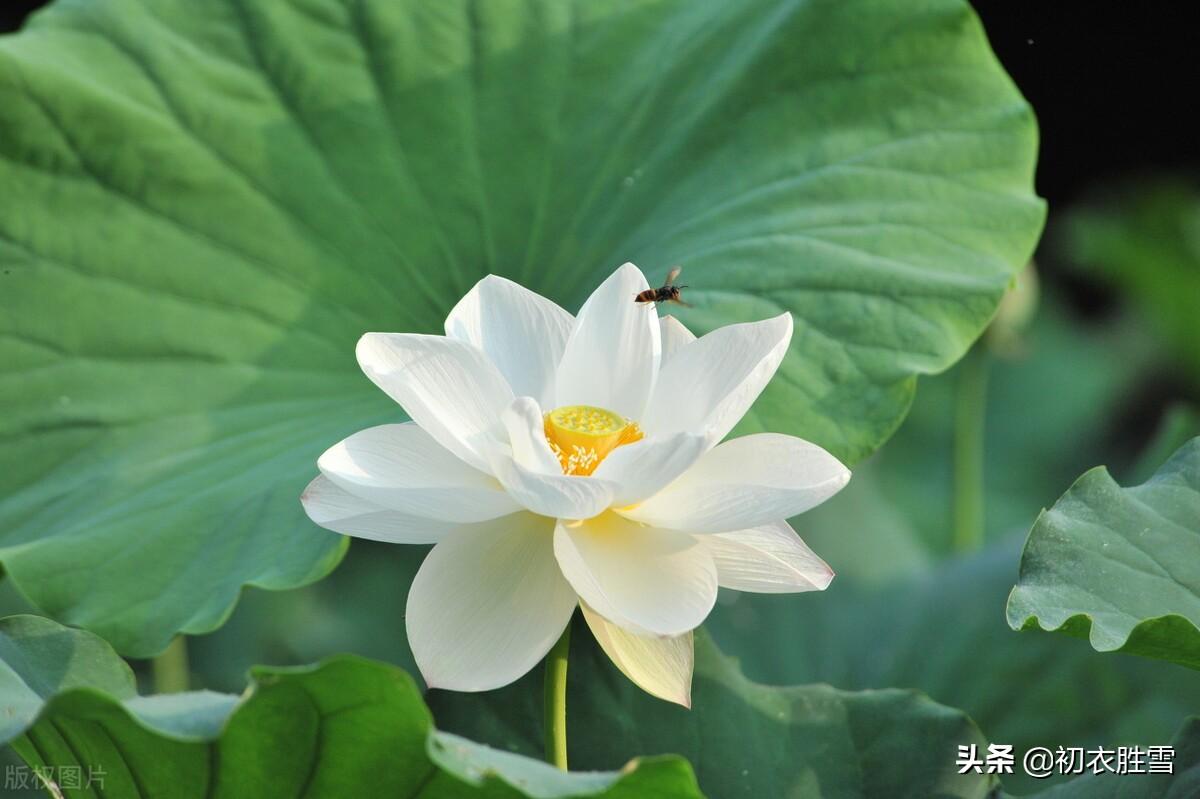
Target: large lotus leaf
744,739
346,727
206,205
1119,566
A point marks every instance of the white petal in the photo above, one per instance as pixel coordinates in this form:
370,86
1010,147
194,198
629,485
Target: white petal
659,665
613,353
447,386
522,333
651,582
527,436
643,468
336,509
401,467
487,604
673,335
744,483
710,383
770,559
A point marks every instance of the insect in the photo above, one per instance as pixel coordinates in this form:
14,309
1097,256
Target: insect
666,293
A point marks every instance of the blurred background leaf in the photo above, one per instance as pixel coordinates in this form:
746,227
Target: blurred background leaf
744,740
1182,782
1043,423
1143,238
944,633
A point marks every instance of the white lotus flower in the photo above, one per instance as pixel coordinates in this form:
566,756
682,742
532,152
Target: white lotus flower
557,461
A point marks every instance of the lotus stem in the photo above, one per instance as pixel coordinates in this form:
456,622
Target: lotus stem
170,668
969,428
555,701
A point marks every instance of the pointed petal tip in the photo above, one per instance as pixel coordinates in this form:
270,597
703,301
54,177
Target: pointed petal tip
684,700
788,327
684,697
632,269
491,279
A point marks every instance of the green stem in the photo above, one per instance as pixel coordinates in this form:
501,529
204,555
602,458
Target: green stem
554,701
170,669
969,414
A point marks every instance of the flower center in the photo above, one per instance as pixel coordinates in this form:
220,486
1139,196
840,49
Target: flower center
581,436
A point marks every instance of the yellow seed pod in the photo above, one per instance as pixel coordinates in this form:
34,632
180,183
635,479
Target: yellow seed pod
583,435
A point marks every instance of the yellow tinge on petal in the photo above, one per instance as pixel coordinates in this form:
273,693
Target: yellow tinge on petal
581,436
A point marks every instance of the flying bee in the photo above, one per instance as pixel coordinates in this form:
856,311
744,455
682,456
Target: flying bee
665,293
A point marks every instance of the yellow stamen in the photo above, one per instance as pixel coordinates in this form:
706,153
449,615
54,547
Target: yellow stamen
582,436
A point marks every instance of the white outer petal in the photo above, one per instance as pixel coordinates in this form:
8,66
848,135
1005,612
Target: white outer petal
487,604
709,384
673,335
650,582
643,468
659,665
336,509
447,386
769,559
744,483
521,332
612,356
401,467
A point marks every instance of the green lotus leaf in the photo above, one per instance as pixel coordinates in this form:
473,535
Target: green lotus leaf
206,206
1119,566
